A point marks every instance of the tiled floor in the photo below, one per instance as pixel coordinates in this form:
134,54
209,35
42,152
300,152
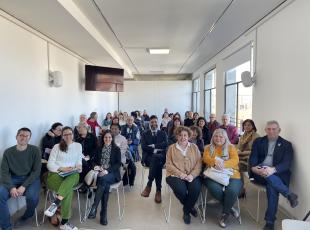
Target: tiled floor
144,214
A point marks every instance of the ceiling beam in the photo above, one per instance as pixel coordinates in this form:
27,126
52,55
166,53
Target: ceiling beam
80,17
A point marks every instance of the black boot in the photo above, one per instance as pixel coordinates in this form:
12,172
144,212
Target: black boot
93,210
104,207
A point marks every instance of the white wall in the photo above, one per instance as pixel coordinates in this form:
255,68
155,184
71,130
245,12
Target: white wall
155,96
26,97
282,88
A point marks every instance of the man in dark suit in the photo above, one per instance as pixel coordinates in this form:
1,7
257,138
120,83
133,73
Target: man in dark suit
270,163
154,145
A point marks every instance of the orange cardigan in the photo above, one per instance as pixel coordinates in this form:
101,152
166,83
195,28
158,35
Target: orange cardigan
232,162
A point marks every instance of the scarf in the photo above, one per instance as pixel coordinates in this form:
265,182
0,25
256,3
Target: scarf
105,156
225,155
245,139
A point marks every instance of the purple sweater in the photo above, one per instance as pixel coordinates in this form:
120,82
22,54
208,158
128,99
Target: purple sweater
232,133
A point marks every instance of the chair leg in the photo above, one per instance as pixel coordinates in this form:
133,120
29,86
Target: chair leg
118,203
239,210
258,204
45,204
79,205
36,216
205,205
123,211
167,215
203,197
87,205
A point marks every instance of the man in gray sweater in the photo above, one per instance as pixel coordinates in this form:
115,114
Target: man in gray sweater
20,172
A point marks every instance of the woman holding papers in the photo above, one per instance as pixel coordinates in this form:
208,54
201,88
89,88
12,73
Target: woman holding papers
64,165
222,155
108,162
183,166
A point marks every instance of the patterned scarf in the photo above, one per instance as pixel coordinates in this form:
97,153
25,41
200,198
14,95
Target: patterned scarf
245,139
105,156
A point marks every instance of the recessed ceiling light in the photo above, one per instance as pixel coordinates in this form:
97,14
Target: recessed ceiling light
158,50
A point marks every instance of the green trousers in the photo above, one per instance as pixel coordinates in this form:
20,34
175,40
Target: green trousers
63,186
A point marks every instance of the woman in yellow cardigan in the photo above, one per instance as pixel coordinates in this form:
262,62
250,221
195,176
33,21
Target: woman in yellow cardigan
183,166
221,154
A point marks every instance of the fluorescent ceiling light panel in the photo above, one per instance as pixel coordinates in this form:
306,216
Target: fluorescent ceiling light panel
158,50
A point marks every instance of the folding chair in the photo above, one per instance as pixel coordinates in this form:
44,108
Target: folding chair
260,188
50,196
238,206
116,187
18,201
168,214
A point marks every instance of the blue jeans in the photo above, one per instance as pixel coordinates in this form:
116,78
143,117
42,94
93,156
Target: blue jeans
102,192
227,197
31,193
274,187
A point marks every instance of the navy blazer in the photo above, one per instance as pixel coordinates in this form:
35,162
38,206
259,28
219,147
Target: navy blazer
282,156
161,142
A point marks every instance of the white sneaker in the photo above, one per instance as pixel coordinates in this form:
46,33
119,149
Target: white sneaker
235,212
51,210
68,226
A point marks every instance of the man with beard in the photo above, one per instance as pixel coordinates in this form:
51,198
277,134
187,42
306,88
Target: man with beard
154,145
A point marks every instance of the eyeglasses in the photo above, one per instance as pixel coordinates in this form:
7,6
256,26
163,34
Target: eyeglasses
69,134
21,135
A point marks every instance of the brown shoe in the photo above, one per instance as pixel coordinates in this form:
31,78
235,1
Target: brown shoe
146,191
158,197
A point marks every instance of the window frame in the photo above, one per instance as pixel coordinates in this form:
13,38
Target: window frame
209,90
195,94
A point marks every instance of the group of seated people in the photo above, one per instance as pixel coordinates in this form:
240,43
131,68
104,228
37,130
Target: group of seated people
68,154
267,160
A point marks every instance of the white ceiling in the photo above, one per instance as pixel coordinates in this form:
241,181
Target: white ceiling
116,33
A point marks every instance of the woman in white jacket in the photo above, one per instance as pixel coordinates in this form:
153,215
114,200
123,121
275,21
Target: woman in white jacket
65,157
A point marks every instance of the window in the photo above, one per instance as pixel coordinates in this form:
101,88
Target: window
210,93
196,95
238,99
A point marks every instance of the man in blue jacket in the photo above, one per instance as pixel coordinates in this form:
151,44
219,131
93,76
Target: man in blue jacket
270,163
154,145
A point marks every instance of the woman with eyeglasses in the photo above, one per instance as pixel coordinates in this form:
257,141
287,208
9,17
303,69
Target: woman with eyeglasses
65,157
108,162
